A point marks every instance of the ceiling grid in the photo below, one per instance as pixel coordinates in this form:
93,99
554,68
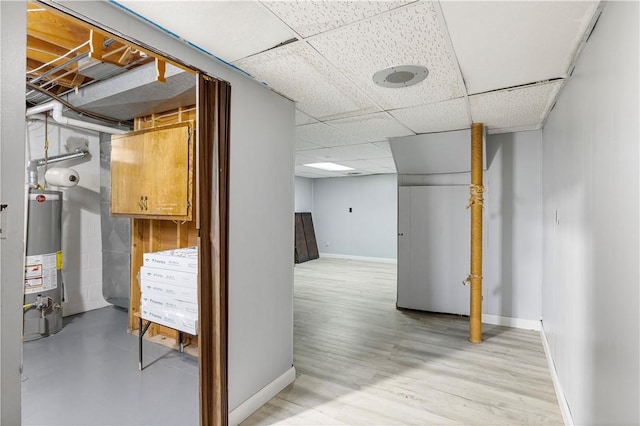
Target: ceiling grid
500,63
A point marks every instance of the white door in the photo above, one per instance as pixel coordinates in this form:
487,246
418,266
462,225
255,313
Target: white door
433,248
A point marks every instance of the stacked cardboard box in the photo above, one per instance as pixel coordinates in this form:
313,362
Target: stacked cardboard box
169,286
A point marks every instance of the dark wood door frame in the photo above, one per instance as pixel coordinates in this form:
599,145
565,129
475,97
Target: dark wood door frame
213,102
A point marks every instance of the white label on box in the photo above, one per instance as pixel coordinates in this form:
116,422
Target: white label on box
184,259
169,318
168,276
186,294
40,273
188,309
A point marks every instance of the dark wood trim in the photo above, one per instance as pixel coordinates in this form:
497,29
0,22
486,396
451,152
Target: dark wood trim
213,99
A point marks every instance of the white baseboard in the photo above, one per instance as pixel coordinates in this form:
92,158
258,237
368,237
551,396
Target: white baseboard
562,400
370,259
257,400
511,322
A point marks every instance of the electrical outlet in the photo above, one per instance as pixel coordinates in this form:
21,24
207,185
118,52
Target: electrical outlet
326,243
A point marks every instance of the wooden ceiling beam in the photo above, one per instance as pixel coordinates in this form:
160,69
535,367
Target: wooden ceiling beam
67,81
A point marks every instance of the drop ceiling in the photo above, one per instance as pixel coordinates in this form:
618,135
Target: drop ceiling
500,63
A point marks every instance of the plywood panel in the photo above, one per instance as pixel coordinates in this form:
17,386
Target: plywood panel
301,253
150,234
310,236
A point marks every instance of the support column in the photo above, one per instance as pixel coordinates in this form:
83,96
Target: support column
475,203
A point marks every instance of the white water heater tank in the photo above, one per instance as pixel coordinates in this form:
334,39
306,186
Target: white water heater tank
58,176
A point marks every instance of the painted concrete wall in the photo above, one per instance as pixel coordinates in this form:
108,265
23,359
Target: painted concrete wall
590,169
12,106
370,229
261,201
81,237
513,213
304,194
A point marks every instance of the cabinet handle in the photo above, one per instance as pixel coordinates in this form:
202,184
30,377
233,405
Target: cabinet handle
145,203
141,202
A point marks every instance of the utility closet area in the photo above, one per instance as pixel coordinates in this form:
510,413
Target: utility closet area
110,149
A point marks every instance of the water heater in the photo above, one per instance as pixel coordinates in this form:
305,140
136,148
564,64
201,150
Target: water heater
43,287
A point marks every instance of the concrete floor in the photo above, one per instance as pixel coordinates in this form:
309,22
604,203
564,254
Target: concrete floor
87,374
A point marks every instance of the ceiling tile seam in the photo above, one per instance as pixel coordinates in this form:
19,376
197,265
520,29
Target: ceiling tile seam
399,122
336,129
353,84
427,104
356,114
520,86
452,52
385,138
588,30
513,129
552,103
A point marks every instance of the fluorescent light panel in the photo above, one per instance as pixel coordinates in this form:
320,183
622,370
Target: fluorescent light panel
332,167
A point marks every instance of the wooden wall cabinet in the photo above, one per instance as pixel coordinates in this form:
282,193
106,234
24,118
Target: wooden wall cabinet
152,173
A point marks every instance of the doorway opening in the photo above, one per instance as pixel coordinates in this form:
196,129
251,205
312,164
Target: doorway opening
83,85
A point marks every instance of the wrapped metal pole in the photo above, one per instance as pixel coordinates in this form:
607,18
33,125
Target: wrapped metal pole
476,204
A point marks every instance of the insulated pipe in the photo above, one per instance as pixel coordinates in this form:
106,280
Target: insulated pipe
476,202
56,113
32,166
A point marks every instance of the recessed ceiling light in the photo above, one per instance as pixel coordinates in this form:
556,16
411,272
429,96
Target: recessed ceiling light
400,76
332,167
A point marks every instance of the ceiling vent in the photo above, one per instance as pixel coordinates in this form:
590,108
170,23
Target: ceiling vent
400,76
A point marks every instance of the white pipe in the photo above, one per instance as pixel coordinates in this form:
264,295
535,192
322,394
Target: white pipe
56,113
40,108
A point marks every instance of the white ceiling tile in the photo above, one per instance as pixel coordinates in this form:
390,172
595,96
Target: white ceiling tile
505,44
371,127
438,117
302,145
383,171
313,17
302,118
384,162
526,106
227,29
301,158
408,35
324,135
299,72
384,145
364,151
359,165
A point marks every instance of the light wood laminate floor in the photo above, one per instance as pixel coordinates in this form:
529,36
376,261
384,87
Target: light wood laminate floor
359,360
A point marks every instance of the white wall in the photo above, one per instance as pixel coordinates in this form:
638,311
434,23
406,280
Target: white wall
304,194
513,214
12,106
81,237
261,202
512,259
370,230
590,168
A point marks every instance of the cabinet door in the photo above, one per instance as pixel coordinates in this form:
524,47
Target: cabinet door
150,172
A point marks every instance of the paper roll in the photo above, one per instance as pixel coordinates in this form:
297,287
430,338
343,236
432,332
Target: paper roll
62,177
